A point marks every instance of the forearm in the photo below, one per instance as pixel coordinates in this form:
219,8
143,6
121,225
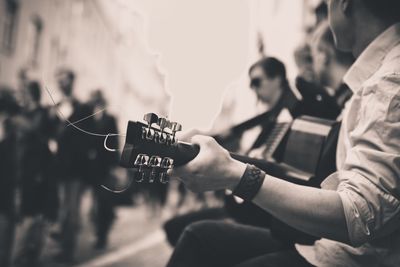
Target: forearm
314,211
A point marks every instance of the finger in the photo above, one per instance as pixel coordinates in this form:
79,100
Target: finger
171,174
201,140
175,173
187,135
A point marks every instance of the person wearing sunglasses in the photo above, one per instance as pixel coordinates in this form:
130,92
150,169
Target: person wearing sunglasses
269,82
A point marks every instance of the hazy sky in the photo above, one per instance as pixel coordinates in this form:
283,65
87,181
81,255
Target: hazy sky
203,47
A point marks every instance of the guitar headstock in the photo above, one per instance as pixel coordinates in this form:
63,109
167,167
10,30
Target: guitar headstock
151,148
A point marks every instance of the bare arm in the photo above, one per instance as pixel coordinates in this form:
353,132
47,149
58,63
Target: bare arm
314,211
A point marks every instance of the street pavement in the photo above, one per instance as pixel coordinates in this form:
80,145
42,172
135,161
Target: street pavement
136,240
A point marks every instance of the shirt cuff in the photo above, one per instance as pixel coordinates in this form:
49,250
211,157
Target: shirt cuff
369,210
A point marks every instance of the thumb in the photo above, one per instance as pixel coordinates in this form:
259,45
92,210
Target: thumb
186,136
201,140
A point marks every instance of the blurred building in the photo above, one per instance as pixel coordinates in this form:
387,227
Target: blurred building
42,35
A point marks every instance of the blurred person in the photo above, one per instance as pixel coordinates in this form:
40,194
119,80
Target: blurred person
73,156
102,163
326,96
321,12
302,54
39,199
331,64
356,211
8,166
304,62
276,101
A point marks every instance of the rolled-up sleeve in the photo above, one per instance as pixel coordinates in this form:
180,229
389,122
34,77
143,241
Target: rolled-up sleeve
370,211
369,183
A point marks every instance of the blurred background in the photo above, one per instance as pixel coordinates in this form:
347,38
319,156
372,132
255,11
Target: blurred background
99,64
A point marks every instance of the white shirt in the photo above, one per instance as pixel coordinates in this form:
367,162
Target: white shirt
368,157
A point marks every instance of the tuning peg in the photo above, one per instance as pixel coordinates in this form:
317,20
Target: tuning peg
166,164
163,123
175,127
150,118
141,161
155,164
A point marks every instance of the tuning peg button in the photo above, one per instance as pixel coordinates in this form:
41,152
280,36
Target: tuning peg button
150,118
175,127
155,161
141,161
163,123
166,164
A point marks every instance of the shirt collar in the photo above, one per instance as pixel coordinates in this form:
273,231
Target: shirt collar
372,57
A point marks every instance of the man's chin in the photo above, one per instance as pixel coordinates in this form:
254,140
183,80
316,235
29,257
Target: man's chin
341,46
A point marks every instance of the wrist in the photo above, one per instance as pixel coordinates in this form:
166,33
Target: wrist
250,183
236,171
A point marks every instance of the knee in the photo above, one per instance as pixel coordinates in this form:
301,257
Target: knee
196,235
201,226
203,229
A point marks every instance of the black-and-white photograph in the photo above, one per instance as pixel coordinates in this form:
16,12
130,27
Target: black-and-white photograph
199,133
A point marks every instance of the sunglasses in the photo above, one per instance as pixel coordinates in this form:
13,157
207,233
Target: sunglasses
255,83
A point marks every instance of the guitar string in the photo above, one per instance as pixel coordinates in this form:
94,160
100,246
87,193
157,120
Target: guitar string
88,117
73,123
118,191
106,136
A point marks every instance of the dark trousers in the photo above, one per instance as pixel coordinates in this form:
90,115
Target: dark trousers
7,231
226,244
174,227
71,219
245,213
104,214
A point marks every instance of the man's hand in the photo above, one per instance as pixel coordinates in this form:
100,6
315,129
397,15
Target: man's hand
212,169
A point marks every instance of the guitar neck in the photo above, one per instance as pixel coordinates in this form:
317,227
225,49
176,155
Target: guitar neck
151,151
185,152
